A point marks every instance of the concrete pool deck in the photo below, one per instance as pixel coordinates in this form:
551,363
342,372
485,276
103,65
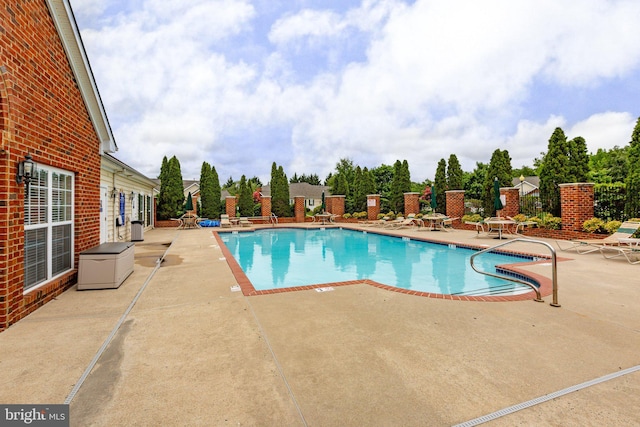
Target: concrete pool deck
193,352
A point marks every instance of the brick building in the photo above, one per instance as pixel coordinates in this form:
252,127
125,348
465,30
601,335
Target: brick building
51,112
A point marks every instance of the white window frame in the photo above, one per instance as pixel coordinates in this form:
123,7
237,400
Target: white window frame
46,222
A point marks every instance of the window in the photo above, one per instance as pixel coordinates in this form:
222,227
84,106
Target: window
149,207
141,215
48,224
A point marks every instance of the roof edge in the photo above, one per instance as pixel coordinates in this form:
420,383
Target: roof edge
66,25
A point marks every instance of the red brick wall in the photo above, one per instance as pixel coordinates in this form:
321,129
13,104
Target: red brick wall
335,204
298,208
230,206
41,113
265,205
576,204
373,206
455,203
411,203
512,201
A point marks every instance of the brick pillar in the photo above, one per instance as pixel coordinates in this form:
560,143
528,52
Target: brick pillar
411,203
335,205
576,205
455,203
265,205
328,203
230,206
373,206
298,208
512,201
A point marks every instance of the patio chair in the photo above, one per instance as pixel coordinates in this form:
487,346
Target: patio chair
244,222
224,221
448,222
586,246
189,221
628,248
479,225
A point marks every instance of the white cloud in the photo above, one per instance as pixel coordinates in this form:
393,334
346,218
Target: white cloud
604,130
432,78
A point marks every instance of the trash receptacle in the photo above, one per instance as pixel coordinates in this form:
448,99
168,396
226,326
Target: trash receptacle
137,231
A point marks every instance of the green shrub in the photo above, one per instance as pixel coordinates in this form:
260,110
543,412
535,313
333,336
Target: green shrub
520,218
346,215
593,225
360,215
612,226
547,220
472,218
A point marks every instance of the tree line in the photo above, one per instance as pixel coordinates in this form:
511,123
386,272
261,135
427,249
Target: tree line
566,160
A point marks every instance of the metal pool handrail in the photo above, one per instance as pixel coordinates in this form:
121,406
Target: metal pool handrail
554,270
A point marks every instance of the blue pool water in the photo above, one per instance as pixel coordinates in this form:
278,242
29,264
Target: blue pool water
297,257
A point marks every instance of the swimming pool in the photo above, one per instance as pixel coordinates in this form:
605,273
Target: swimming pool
285,258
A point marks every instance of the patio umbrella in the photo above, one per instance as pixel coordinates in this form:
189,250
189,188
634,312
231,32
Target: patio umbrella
189,206
323,206
434,203
497,203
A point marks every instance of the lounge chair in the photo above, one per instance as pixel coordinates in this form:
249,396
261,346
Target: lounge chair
402,223
628,248
224,221
394,223
244,222
585,246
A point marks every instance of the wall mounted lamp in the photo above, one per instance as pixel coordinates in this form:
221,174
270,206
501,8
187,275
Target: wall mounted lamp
26,171
132,196
114,193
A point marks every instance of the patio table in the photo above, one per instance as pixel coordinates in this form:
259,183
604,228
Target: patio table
323,217
435,222
499,226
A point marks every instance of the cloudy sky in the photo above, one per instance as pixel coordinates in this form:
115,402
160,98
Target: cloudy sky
241,84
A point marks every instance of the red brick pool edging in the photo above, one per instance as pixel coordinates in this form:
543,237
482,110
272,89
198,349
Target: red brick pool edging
248,289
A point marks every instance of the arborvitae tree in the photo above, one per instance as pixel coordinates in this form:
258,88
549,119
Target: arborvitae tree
632,203
359,197
177,186
405,178
206,192
554,171
440,183
171,197
500,167
164,208
454,174
245,199
216,192
578,160
368,185
279,192
400,184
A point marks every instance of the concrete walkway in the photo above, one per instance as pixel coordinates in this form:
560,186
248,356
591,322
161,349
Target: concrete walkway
192,352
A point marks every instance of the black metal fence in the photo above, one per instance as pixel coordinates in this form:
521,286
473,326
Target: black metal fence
609,201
